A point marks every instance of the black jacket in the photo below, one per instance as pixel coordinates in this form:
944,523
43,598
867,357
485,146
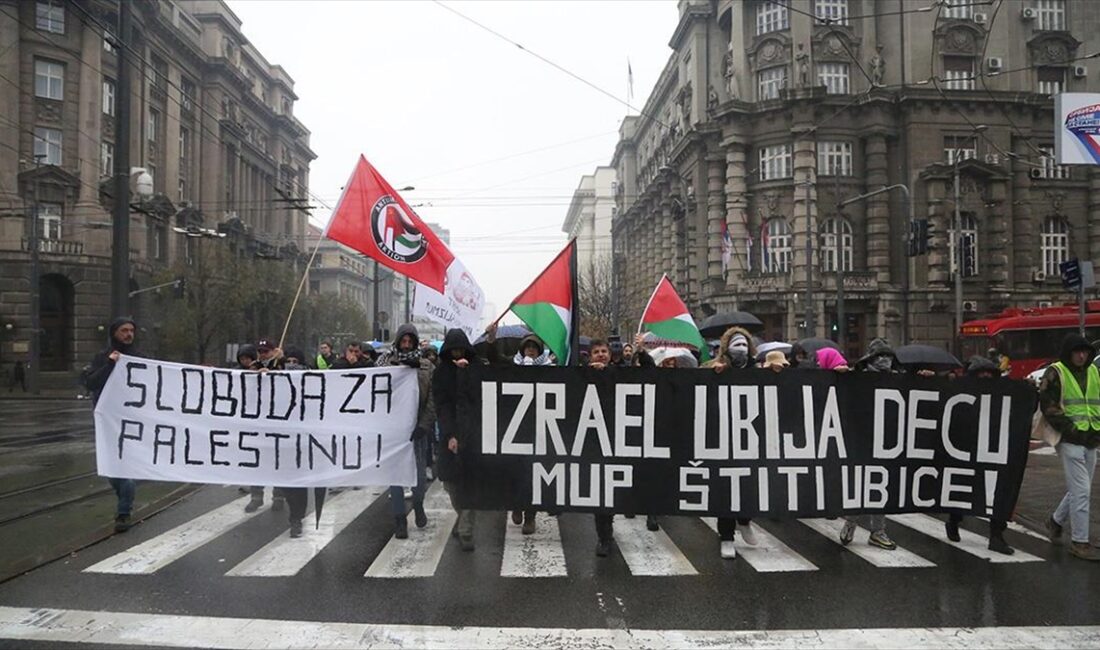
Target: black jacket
102,366
1050,394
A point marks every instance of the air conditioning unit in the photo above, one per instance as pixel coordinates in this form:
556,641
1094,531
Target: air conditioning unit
981,19
1045,304
1080,71
994,63
1036,172
970,305
993,158
1027,13
1038,275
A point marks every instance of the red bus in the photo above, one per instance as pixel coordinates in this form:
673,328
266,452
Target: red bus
1030,338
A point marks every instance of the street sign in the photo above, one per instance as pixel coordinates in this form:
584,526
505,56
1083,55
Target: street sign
1071,273
1088,278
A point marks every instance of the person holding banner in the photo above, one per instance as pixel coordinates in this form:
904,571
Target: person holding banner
262,357
599,358
406,352
353,358
455,355
325,356
120,341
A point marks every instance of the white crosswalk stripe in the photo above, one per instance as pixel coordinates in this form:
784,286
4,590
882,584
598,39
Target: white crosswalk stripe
419,555
162,550
895,559
284,556
769,554
534,556
650,553
969,542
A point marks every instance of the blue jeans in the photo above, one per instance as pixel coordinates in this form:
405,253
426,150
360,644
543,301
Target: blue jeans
1079,463
397,493
124,488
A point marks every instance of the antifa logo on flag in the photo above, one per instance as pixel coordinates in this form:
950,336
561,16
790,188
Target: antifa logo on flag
395,233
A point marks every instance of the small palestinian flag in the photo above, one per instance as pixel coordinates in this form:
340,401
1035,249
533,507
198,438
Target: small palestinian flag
548,306
667,316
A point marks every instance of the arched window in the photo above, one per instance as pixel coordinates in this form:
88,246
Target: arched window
836,231
970,239
775,249
1054,244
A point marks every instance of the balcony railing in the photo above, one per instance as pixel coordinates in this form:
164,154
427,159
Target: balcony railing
55,246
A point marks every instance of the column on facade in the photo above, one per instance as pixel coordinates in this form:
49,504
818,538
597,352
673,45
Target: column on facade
715,218
737,212
997,227
1023,228
10,200
90,116
805,220
1094,213
878,208
939,213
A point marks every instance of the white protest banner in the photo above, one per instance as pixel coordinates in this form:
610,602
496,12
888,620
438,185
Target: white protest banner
174,422
459,305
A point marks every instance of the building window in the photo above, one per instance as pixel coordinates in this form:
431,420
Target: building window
107,46
49,220
1052,80
964,146
182,190
50,16
958,9
836,231
108,97
775,249
834,158
106,159
49,79
47,145
771,17
157,241
969,236
1054,242
834,76
187,94
154,125
189,250
160,73
1051,14
775,162
770,81
834,11
1050,168
958,72
185,147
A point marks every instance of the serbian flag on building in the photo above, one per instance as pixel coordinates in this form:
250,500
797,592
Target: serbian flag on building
668,317
372,218
549,306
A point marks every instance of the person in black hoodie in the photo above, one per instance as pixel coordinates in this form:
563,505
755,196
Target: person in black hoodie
455,355
120,340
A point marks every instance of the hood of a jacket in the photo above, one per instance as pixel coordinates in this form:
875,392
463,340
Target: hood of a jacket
979,363
247,350
724,344
410,329
1074,342
878,346
456,339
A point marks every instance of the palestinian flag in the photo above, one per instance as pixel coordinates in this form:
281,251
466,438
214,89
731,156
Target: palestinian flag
549,306
667,316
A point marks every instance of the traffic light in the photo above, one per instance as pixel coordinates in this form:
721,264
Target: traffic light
969,264
920,237
179,290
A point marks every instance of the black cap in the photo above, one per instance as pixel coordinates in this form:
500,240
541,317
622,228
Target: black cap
264,344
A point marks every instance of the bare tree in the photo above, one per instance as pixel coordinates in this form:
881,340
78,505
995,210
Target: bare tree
596,293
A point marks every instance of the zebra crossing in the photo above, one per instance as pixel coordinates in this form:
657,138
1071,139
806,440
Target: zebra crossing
559,546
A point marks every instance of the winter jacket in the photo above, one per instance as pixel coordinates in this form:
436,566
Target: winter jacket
102,365
1050,394
723,355
425,419
445,383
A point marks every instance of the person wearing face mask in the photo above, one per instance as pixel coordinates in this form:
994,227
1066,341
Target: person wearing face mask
532,352
736,351
880,358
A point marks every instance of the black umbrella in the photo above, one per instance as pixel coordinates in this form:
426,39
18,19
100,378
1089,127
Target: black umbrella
318,505
927,357
507,342
811,346
716,325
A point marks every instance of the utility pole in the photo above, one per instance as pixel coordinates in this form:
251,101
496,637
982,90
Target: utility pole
36,300
377,334
120,234
811,326
841,320
408,309
958,258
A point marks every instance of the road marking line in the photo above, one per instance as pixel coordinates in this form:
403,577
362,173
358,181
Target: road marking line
650,553
160,551
419,555
971,543
880,557
284,556
769,555
534,556
1024,530
165,630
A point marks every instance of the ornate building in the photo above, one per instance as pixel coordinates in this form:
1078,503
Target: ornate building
211,121
769,114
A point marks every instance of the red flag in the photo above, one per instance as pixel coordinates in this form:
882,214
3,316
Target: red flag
372,218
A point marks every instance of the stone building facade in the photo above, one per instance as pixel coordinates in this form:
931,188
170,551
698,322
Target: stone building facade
768,115
589,218
212,122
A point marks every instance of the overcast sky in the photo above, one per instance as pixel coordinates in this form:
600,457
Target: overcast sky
494,140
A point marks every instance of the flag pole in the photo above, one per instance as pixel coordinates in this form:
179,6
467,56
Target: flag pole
298,293
574,313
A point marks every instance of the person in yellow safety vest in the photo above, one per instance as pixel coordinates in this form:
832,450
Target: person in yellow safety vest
325,357
1069,396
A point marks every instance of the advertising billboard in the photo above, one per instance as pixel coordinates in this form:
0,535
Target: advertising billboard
1077,128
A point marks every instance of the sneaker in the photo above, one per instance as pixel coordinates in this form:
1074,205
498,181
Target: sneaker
880,539
1083,550
254,505
517,517
603,548
952,528
529,525
400,527
651,523
295,528
408,493
122,524
1054,531
848,533
467,543
277,504
748,535
997,544
421,516
728,550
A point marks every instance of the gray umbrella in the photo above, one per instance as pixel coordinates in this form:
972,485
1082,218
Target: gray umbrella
927,357
813,345
716,325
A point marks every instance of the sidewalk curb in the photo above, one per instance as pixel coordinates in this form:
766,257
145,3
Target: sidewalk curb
81,542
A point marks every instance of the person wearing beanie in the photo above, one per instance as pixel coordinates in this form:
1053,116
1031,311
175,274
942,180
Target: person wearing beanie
120,341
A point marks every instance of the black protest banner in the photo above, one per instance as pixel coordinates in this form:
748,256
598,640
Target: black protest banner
750,442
